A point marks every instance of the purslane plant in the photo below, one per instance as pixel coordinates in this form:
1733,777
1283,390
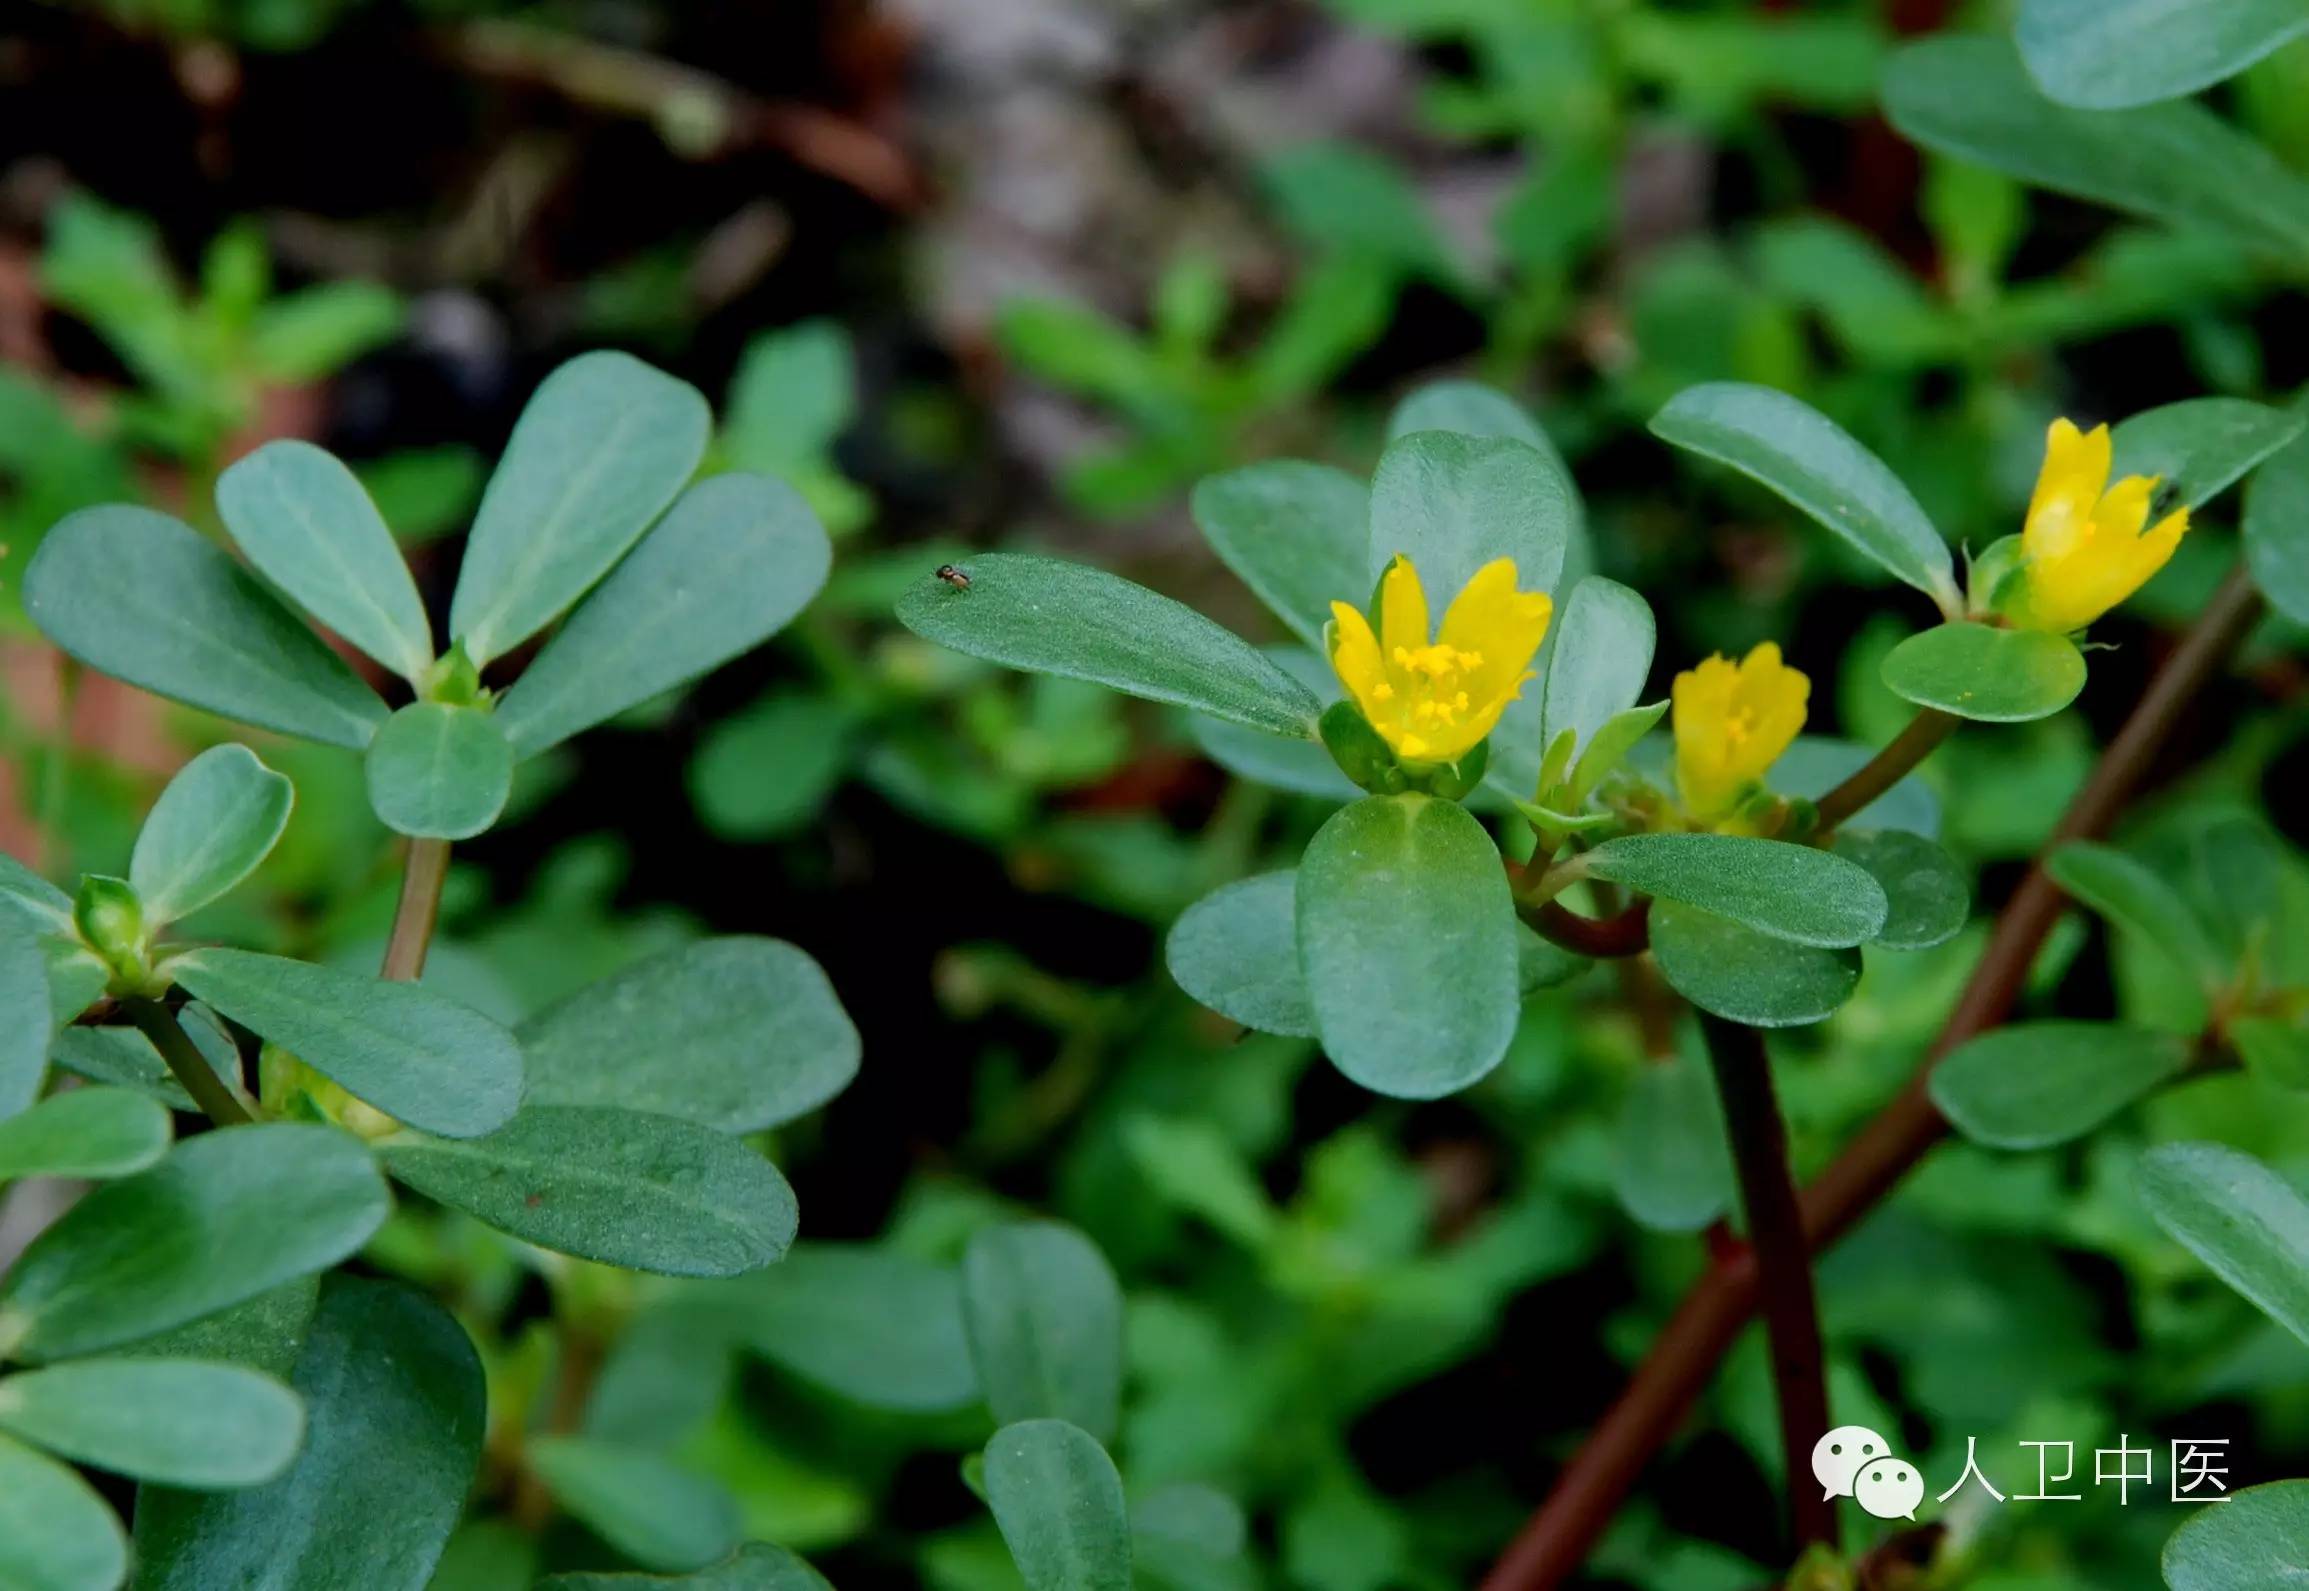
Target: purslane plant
609,1128
1750,864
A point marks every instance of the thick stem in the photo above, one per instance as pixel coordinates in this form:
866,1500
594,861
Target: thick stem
1888,767
420,906
1624,934
1783,1264
1556,1539
210,1092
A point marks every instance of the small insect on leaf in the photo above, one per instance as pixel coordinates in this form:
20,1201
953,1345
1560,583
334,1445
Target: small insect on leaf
959,579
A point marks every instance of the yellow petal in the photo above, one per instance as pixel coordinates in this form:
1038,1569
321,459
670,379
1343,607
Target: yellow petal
1499,624
1402,608
1355,656
2076,468
2121,514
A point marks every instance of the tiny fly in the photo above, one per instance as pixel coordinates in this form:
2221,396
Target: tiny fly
959,579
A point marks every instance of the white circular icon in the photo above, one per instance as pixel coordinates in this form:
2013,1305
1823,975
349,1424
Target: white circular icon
1837,1457
1889,1489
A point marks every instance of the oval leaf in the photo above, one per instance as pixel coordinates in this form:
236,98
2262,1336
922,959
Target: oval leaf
394,1412
2201,447
1791,892
1799,453
2256,1540
1671,1165
88,1132
1237,951
1927,899
148,599
1986,674
2107,54
2130,895
646,1506
602,447
440,772
1295,533
175,1421
56,1534
738,1033
2178,162
310,528
2042,1083
2244,1221
139,1256
1044,1315
1453,503
1744,976
419,1057
1408,946
1054,617
2276,526
1471,409
732,561
878,1327
650,1193
219,817
27,1018
1603,655
1059,1502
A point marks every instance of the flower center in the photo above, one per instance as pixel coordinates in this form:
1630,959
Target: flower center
1739,724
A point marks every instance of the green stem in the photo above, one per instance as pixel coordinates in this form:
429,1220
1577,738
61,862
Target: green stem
1888,767
419,909
210,1092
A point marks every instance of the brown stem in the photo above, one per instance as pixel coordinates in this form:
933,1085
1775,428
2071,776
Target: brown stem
1889,766
1556,1539
1783,1262
1623,934
419,908
210,1092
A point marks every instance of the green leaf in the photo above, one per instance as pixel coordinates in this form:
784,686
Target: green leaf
1603,654
1407,941
767,771
2243,1220
1189,1537
125,1058
1816,764
2128,894
88,1132
139,1256
303,337
56,1534
1926,897
2276,526
76,978
1237,951
601,449
878,1327
1471,409
1744,976
756,1566
30,901
732,561
2272,1049
27,1019
440,772
1059,1502
1791,892
738,1033
1799,453
219,817
418,1056
1295,533
178,1422
793,394
310,528
1671,1166
2257,1540
1989,675
262,1333
2201,447
650,1193
646,1506
1454,503
2108,54
1044,1314
395,1409
147,599
1053,617
2041,1083
2177,163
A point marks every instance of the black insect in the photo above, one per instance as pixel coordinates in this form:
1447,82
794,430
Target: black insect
959,579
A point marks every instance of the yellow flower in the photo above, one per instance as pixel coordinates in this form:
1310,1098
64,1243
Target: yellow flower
1732,722
2083,550
1434,700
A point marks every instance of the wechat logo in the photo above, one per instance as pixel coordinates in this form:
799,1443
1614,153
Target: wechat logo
1853,1461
